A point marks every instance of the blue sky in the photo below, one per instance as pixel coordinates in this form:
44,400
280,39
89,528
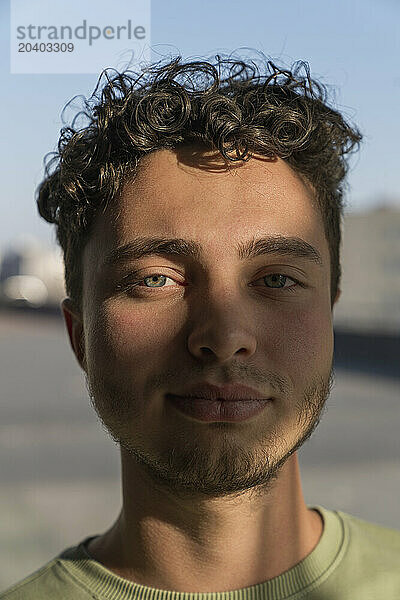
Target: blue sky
352,45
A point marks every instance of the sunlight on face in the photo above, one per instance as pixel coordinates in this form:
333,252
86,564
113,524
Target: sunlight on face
157,323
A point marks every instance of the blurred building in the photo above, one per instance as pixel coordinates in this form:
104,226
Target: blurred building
31,274
370,299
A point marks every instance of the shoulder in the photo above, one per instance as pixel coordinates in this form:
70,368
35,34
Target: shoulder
373,554
52,581
371,537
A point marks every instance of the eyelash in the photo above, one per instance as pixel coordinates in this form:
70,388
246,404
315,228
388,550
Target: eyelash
130,286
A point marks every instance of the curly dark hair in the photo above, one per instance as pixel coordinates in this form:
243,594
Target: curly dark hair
232,106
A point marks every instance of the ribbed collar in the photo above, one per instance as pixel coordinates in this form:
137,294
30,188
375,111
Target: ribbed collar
305,576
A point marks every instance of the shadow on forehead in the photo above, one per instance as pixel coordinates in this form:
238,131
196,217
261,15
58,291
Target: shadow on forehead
206,158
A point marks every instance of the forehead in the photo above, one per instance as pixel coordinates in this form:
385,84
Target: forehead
202,196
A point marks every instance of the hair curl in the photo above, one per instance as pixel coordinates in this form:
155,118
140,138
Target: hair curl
230,105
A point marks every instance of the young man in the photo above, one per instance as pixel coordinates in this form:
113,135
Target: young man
200,221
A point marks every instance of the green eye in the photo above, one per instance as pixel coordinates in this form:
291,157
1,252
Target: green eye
155,279
275,280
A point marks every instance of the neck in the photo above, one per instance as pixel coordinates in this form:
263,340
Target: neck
207,544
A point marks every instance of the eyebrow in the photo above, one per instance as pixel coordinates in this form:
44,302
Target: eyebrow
277,244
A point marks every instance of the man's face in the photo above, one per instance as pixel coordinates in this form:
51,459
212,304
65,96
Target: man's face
215,318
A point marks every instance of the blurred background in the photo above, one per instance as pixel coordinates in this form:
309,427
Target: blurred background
59,472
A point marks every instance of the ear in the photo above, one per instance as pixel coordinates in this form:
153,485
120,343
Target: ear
73,321
338,294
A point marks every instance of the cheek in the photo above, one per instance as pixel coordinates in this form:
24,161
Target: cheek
303,342
125,337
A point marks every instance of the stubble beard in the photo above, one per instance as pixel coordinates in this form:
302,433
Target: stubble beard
190,470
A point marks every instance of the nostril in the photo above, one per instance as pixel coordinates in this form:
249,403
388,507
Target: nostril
206,350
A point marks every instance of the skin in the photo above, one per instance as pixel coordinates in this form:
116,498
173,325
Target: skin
207,507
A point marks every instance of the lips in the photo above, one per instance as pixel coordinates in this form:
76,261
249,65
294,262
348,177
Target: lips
209,410
231,392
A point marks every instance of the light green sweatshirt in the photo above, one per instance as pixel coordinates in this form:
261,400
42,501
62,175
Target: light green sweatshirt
353,560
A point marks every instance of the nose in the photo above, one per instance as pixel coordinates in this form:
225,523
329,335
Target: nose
222,330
